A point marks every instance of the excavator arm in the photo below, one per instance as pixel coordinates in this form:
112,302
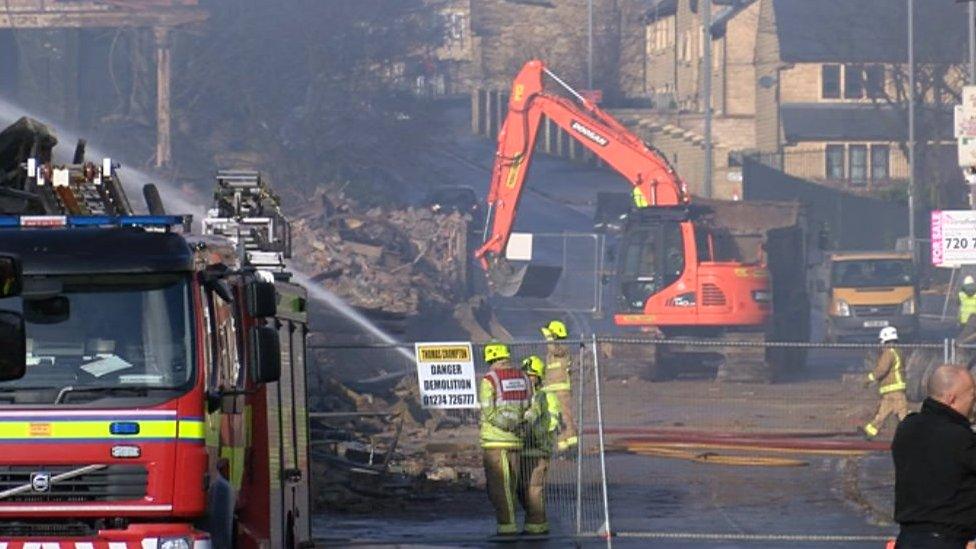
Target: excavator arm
642,166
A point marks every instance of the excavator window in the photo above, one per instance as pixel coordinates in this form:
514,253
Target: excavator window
652,258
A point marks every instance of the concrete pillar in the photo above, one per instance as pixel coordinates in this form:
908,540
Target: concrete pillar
475,112
164,151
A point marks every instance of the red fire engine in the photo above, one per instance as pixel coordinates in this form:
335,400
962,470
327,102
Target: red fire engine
152,382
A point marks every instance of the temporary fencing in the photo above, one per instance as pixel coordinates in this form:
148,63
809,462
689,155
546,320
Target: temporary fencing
667,452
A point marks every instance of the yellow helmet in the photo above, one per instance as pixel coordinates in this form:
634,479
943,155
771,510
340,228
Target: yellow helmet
496,351
555,330
534,366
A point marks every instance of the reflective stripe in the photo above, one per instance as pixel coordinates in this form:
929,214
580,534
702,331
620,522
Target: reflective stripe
191,429
871,430
556,387
538,528
507,475
500,444
892,388
84,430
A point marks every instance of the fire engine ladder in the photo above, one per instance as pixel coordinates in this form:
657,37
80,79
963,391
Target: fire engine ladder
78,189
247,213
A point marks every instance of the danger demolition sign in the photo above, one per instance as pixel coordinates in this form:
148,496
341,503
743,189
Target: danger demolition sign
445,375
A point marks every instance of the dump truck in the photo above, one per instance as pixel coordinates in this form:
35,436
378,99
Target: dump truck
152,380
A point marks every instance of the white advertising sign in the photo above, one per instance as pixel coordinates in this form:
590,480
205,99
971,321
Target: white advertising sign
953,238
445,375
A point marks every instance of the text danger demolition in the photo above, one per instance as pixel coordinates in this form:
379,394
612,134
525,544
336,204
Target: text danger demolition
452,384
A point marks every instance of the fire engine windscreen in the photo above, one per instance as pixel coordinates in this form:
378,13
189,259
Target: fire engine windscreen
93,337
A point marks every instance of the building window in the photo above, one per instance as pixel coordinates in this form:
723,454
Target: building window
835,162
853,82
858,168
874,80
880,155
454,27
830,81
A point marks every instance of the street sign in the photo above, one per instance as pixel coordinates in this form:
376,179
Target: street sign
953,238
445,375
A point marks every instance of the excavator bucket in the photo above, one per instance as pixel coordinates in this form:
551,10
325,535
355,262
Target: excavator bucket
527,280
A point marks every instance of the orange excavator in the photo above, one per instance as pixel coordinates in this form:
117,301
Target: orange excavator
683,270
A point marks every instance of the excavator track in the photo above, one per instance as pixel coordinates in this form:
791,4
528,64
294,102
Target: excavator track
746,364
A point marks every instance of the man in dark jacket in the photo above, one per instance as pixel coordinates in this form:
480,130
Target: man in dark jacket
935,466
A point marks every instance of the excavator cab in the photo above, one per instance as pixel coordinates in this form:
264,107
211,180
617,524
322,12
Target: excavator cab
651,255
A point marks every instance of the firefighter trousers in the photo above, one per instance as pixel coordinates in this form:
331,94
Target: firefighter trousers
501,478
891,403
568,431
532,493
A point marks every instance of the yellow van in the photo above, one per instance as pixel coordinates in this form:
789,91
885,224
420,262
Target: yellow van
868,291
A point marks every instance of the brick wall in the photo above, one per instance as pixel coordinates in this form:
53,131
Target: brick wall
740,63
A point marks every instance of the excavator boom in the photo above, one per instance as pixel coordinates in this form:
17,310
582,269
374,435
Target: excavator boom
642,166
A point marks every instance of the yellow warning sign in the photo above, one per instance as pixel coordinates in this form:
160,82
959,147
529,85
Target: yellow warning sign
441,353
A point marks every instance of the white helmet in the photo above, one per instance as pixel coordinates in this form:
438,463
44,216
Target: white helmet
968,280
887,334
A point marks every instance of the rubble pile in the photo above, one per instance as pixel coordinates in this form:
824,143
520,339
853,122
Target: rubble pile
399,261
371,451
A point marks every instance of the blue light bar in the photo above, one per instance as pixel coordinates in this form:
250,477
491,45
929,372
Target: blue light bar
61,221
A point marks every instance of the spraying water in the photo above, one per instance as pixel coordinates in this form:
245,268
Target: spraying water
134,180
324,295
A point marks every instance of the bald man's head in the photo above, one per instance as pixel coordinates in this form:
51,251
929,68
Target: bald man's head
953,386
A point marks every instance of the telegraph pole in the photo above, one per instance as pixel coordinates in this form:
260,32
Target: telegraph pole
589,44
707,91
911,127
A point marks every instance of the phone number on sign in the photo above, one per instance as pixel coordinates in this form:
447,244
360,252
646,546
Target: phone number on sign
953,243
448,400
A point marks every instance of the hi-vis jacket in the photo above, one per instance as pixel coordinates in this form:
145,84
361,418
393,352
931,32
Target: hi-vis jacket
504,395
967,306
543,417
890,371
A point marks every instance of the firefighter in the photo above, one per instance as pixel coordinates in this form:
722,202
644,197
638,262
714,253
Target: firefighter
889,374
967,305
542,421
558,365
504,395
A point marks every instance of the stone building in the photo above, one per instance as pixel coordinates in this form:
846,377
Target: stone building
817,87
